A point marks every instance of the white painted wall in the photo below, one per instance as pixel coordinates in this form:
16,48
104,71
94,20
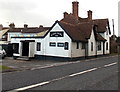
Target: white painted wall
31,45
77,52
92,39
57,51
107,37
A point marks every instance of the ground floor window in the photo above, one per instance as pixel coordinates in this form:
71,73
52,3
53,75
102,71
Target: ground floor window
38,46
83,45
99,46
91,46
77,45
107,46
16,47
66,47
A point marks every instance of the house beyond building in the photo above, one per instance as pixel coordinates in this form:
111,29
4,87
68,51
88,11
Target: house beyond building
71,37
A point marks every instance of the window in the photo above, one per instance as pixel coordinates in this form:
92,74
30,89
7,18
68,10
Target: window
77,44
66,47
83,45
107,32
91,46
16,47
99,46
107,46
60,44
38,46
52,44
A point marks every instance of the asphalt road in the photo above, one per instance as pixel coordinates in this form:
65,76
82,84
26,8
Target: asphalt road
92,74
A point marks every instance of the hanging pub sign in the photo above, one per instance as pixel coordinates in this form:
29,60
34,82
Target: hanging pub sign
56,34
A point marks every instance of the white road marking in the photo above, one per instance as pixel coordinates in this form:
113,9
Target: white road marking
82,72
28,87
110,64
71,75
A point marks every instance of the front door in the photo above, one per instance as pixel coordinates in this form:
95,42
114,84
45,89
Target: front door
25,48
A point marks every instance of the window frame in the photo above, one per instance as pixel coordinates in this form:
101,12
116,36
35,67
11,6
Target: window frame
91,46
66,46
99,47
106,45
83,46
77,45
38,48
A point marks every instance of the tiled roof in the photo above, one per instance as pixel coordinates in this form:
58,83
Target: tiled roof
15,30
101,23
100,38
34,30
29,29
85,26
72,30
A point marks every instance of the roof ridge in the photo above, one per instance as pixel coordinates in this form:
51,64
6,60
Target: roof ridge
67,23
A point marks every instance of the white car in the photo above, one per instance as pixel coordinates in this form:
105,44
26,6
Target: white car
2,53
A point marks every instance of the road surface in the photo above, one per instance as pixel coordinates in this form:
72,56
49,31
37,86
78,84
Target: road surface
92,74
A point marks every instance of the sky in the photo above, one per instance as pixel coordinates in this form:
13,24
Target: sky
46,12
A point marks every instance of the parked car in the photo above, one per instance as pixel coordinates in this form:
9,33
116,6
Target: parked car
2,53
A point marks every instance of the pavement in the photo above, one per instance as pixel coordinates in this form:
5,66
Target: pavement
20,65
92,74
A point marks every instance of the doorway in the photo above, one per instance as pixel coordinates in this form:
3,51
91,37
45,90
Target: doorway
25,48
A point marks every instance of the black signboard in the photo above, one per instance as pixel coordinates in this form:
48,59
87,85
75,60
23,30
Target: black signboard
56,34
60,44
52,44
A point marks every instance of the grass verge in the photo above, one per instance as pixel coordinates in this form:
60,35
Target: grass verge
4,68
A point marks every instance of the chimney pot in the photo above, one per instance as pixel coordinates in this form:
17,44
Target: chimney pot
40,26
25,26
65,14
75,7
89,15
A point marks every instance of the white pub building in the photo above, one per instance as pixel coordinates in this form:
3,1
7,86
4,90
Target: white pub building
70,38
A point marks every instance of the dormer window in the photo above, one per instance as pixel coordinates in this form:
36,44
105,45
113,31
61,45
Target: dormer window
107,32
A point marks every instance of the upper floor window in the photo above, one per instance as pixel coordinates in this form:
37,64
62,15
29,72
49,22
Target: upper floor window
107,32
91,46
99,46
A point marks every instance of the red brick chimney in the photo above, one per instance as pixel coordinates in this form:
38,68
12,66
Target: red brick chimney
89,15
65,14
75,7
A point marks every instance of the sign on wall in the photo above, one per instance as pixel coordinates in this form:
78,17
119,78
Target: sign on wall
56,34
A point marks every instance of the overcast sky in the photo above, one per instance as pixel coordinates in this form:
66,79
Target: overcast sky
46,12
